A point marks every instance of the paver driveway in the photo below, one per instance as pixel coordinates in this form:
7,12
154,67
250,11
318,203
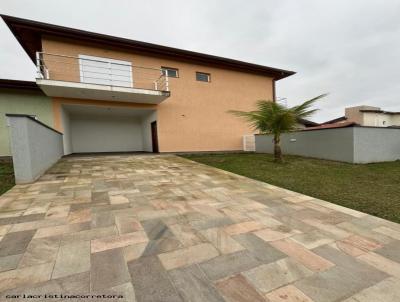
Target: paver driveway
162,228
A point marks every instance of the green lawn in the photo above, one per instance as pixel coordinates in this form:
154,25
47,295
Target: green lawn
6,176
370,188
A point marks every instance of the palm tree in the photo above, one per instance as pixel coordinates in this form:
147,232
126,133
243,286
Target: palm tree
274,118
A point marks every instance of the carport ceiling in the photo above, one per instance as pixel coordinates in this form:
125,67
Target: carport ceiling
88,110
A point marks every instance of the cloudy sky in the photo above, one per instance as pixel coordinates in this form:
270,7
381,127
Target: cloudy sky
350,49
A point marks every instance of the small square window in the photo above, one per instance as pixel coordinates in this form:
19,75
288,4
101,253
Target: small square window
203,77
170,72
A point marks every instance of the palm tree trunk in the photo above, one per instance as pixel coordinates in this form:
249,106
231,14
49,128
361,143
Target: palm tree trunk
277,149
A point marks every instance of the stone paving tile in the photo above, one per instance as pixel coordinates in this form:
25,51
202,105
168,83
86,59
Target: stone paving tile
78,283
381,263
193,285
187,232
362,243
189,255
260,249
72,258
332,230
273,235
288,293
15,243
350,263
127,224
112,242
388,232
312,239
348,249
108,269
365,232
9,262
4,229
126,290
221,240
88,234
386,291
229,264
21,219
151,282
270,276
25,276
40,251
237,289
61,229
33,225
243,227
156,229
336,283
390,251
162,245
58,212
302,255
134,251
103,220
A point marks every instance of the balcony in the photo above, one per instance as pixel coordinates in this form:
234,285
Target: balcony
88,77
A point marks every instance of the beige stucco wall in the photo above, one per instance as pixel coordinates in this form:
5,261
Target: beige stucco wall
194,117
377,119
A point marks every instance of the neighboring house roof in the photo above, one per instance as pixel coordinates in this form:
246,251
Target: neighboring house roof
17,84
331,126
29,33
307,123
336,120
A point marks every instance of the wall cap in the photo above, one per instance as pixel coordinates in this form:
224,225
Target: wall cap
33,119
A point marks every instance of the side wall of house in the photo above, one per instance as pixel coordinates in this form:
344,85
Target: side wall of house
194,117
22,102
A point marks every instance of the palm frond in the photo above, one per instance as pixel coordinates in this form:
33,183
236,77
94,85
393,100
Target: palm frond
272,117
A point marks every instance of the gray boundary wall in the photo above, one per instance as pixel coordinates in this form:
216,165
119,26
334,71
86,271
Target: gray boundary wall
35,147
351,144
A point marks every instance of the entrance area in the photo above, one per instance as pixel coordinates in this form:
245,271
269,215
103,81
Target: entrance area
91,129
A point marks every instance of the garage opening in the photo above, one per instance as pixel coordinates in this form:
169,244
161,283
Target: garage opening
91,129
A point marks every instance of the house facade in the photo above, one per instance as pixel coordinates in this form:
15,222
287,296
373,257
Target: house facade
368,116
109,94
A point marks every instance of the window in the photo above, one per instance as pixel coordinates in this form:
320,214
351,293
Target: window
203,77
96,70
170,72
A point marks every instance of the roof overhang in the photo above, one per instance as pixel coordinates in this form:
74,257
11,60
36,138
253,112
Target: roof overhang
17,84
29,34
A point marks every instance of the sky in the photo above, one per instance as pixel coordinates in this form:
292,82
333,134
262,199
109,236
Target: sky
349,49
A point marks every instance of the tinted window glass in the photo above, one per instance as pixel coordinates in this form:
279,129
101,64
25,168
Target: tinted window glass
171,72
203,77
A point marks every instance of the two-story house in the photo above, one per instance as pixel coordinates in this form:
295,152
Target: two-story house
110,94
367,116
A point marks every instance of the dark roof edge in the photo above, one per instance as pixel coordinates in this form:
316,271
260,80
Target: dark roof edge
66,32
33,119
18,84
379,111
338,119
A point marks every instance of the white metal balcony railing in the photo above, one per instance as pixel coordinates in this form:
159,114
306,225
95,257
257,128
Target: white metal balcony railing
93,70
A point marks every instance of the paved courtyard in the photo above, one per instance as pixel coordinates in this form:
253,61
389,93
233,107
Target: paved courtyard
163,228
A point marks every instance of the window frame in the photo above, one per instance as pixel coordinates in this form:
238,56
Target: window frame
203,73
165,69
